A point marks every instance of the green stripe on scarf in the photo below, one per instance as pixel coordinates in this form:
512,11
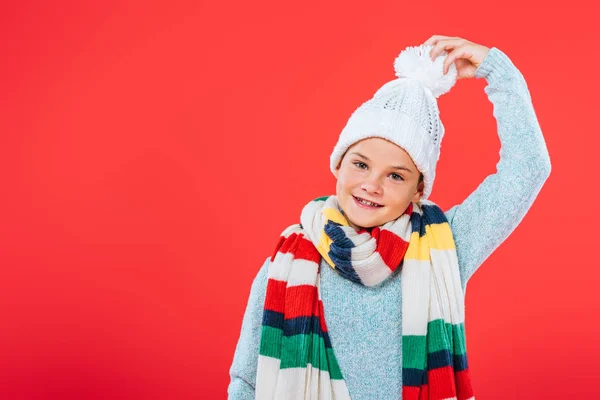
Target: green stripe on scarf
312,351
437,342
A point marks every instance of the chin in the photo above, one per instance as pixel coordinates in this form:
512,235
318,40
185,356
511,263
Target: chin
366,224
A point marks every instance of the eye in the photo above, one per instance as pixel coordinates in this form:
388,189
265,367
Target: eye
360,164
396,177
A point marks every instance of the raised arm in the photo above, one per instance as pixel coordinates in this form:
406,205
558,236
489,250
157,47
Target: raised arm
245,359
492,212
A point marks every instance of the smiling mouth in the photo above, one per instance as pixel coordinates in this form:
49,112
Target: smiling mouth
366,202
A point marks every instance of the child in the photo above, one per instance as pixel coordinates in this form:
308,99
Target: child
364,299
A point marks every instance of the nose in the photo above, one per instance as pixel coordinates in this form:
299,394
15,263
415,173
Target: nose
371,185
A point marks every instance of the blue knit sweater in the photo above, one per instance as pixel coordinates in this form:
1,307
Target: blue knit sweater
364,323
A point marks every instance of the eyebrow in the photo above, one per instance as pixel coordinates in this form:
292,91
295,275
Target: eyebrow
395,167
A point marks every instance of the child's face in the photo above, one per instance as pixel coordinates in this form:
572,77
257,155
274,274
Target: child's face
367,172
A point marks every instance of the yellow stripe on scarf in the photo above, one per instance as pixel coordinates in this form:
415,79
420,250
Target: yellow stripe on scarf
437,237
333,215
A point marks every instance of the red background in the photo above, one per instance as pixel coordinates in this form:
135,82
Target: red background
150,155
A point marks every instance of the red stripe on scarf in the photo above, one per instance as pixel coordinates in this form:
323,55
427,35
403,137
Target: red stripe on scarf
390,247
321,315
300,301
415,392
441,383
424,392
274,300
277,247
299,246
463,383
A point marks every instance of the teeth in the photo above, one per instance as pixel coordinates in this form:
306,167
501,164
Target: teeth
367,202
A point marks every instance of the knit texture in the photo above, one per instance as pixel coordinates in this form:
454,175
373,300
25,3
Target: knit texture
404,111
363,321
296,358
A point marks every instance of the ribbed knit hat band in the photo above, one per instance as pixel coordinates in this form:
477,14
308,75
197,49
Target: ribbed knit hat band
405,112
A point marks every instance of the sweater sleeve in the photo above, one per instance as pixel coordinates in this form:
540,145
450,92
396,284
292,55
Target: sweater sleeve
493,211
245,358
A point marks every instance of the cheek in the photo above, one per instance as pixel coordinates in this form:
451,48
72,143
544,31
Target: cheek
399,194
347,178
341,186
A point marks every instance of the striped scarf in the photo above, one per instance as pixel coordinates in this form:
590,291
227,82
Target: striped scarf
296,358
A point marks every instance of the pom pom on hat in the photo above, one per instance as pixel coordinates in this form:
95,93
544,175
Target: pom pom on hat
415,63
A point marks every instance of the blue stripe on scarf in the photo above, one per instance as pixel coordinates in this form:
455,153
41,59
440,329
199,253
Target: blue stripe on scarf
413,377
272,319
295,326
438,359
418,377
340,251
460,362
441,359
431,215
417,225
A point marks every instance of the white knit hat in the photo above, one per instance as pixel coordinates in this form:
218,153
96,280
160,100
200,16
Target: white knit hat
405,111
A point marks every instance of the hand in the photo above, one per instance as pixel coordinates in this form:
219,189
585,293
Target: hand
466,55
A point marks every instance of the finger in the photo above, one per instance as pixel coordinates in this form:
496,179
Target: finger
458,53
435,38
445,45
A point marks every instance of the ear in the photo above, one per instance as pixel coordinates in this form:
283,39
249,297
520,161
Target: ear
417,197
336,172
419,193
